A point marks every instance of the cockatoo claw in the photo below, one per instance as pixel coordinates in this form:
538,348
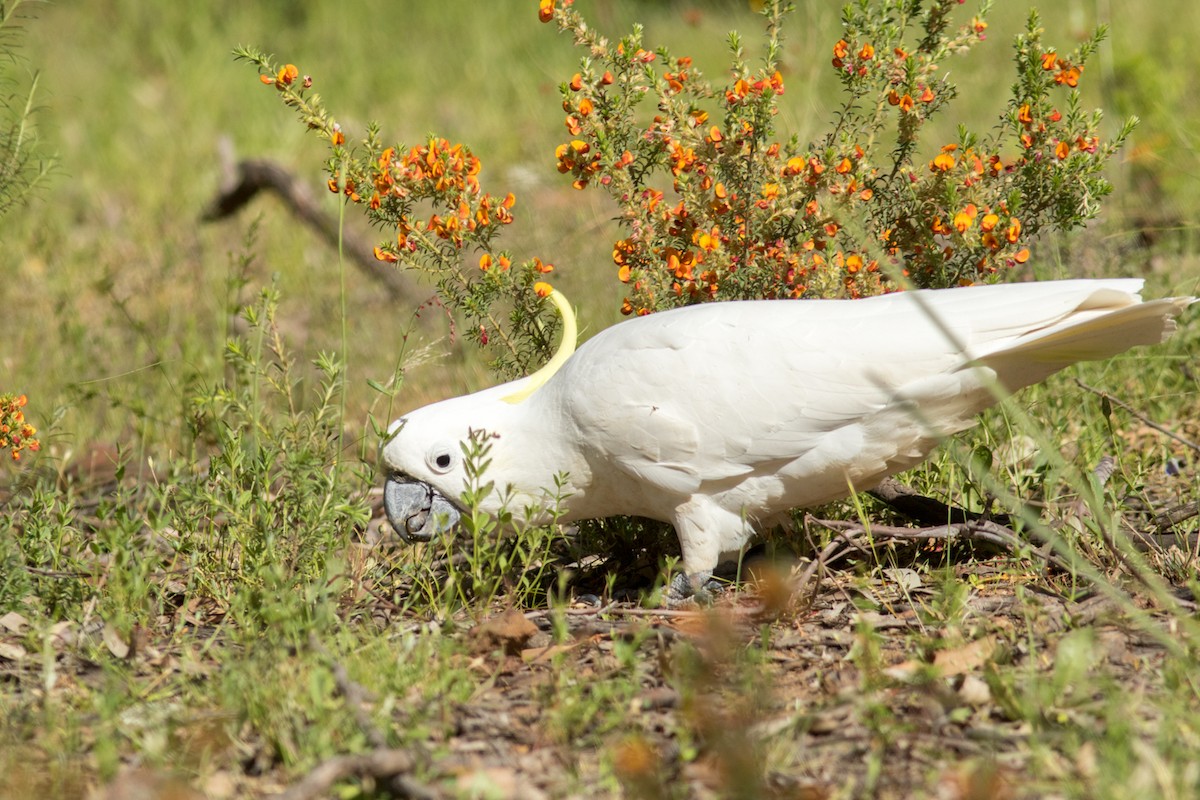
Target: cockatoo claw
689,591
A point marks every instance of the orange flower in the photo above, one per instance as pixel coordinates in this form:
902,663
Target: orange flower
541,267
541,288
854,262
623,274
585,107
989,222
1069,76
1022,255
1014,230
485,262
384,255
1062,150
287,76
546,10
576,82
844,166
943,162
964,219
1049,60
841,49
906,103
867,52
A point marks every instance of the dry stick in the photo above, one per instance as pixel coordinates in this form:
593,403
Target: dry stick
1118,402
380,764
385,764
243,181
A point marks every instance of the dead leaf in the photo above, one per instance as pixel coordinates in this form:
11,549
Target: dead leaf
114,641
13,622
145,784
946,663
509,631
11,652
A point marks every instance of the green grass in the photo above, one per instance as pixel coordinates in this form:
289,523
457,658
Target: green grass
166,603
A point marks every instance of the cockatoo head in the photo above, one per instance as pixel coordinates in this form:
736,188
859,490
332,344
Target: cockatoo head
425,458
425,472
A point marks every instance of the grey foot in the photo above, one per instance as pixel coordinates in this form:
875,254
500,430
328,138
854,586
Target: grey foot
691,590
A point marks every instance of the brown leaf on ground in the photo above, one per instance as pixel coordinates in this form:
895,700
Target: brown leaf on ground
509,631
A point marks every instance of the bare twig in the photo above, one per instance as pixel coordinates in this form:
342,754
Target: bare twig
1122,404
383,765
854,535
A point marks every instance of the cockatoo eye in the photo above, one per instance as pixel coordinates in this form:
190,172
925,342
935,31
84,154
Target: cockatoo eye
440,460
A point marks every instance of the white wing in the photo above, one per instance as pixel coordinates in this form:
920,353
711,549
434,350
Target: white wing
826,391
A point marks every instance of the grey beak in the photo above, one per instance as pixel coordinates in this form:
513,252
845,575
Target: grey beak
416,510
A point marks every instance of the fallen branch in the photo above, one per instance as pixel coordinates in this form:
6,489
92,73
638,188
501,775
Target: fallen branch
856,536
922,509
244,180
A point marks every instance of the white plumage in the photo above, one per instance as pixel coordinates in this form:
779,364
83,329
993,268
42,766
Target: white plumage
718,418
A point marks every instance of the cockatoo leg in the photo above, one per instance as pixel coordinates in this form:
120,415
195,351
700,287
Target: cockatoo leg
688,590
701,527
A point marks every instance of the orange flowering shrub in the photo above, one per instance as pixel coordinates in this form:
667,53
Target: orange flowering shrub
439,220
716,206
16,435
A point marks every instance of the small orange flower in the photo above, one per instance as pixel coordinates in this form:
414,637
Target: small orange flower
867,52
1022,255
1062,150
989,222
384,255
546,10
844,166
1014,230
1069,76
287,76
485,262
1049,60
585,107
623,274
942,162
576,82
964,219
906,103
542,289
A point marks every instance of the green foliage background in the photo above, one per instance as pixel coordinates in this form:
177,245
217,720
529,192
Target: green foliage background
99,269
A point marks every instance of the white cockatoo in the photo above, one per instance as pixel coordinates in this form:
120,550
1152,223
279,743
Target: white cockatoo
721,418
